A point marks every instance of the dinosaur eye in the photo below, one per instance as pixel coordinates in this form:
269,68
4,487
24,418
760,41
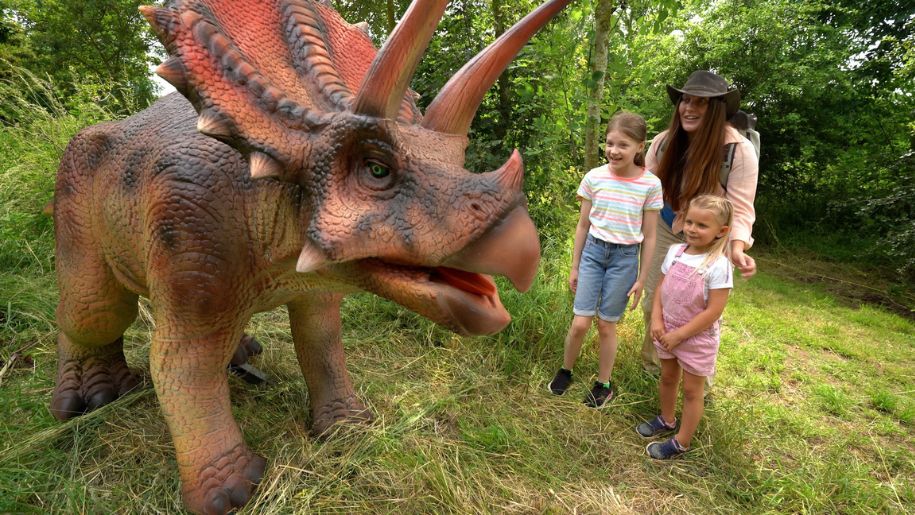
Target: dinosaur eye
376,175
378,170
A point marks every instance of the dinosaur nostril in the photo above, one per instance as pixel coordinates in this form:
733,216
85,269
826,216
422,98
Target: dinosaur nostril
478,211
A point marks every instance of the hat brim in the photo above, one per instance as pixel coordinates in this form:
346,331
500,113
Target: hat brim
731,98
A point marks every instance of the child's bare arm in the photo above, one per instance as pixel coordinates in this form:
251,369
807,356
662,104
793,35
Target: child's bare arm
649,231
581,233
657,318
717,299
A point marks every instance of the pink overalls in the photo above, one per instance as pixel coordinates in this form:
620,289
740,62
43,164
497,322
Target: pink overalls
681,300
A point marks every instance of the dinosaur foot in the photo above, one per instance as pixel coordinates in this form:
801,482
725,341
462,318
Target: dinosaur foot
227,483
89,383
331,416
248,347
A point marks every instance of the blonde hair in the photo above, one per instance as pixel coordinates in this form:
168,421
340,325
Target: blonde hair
724,214
634,127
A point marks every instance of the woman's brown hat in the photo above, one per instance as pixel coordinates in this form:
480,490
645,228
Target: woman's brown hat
703,83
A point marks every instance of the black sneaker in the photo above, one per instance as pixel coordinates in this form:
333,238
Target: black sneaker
561,382
599,395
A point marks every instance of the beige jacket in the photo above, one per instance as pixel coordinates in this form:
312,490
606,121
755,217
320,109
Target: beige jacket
741,189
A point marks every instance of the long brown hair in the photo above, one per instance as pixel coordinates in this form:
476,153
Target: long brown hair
691,167
634,127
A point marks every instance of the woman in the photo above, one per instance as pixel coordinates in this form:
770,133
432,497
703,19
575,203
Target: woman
701,153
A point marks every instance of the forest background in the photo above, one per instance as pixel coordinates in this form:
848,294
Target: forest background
832,83
833,86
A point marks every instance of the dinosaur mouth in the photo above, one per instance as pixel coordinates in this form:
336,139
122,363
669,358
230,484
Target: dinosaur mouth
470,282
466,302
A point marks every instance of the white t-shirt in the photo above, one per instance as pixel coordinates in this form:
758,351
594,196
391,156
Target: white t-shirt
720,273
618,203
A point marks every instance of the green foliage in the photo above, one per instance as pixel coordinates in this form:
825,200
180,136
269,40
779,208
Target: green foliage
886,211
831,82
82,44
29,155
836,124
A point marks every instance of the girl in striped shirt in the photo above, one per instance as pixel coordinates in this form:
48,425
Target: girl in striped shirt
620,202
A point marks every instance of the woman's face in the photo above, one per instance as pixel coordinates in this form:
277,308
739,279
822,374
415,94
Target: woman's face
692,112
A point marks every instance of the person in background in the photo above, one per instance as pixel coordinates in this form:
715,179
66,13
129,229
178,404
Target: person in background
745,123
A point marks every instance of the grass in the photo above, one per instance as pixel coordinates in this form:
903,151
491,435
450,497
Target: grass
813,409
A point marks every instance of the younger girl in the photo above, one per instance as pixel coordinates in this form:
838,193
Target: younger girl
620,203
692,292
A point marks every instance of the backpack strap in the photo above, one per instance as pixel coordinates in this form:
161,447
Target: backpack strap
662,146
727,162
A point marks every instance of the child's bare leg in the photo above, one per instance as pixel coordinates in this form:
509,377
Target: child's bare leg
574,339
667,386
606,351
693,407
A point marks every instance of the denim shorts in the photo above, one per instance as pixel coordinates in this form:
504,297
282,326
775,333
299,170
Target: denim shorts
606,272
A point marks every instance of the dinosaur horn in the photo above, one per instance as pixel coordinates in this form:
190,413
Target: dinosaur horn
456,104
383,88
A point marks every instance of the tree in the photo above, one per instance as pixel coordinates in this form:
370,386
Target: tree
14,43
103,43
603,13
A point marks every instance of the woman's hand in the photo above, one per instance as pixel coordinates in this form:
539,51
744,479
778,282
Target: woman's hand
743,262
573,279
670,340
635,293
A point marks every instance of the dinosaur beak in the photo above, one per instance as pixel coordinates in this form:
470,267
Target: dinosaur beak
510,248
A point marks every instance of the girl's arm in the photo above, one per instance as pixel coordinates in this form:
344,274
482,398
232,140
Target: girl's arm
717,299
657,317
581,233
649,231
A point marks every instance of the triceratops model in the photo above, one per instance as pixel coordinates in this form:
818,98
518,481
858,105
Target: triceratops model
296,170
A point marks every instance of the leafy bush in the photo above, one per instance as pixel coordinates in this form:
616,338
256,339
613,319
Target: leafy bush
33,137
889,213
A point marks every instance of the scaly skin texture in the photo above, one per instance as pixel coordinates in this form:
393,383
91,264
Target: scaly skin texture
293,168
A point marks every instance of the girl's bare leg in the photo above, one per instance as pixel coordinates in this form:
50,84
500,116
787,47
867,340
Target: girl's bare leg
667,386
606,351
693,407
574,339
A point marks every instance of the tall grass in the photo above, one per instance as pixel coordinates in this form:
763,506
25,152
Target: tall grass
35,127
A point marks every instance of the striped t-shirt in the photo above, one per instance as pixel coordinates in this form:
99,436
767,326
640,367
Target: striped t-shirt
617,203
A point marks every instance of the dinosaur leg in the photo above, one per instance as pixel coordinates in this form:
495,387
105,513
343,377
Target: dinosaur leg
92,315
315,322
89,377
218,471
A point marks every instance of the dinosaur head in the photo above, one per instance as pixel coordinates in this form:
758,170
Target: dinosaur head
308,100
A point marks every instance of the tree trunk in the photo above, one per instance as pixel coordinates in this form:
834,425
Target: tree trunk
597,68
390,16
503,85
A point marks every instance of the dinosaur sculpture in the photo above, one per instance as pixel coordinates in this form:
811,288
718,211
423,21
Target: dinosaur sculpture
295,168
